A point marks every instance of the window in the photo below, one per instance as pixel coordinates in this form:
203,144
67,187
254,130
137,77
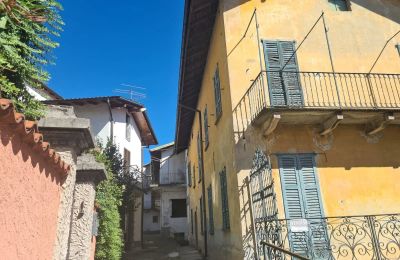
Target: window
283,81
224,200
339,5
194,176
217,94
301,195
155,219
189,175
178,208
128,127
201,217
191,219
127,158
206,138
199,158
210,211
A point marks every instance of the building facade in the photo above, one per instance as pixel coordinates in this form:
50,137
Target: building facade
289,114
166,206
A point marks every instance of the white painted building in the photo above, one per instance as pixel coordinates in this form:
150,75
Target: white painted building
115,117
169,188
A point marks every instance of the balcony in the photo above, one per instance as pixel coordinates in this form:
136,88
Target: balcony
356,237
319,98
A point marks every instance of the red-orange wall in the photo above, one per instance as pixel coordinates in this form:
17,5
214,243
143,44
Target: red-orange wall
29,200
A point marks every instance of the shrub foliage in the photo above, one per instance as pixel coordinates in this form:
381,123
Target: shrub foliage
27,32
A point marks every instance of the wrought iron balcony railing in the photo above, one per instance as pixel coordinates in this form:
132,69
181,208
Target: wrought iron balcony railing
374,237
317,90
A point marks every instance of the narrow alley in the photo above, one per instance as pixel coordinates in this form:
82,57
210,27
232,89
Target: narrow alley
157,247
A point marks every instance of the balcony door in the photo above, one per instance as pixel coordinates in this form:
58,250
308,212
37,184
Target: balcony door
282,74
303,206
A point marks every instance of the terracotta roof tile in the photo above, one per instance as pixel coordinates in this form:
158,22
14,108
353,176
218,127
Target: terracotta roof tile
30,133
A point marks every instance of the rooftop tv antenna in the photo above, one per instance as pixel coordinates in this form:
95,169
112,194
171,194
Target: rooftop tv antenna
133,94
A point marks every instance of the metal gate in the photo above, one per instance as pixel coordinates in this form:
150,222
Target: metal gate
263,200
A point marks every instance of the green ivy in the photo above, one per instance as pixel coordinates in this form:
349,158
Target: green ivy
27,32
109,243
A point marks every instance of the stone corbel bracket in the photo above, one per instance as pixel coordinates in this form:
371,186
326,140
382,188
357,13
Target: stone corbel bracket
380,124
330,124
89,170
270,124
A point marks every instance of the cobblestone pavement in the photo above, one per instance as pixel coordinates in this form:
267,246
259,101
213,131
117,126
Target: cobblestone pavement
159,248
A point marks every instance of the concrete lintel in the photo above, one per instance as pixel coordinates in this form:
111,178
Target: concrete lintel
62,128
330,124
381,124
89,170
271,124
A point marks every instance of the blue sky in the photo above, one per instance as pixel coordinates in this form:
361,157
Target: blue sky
106,43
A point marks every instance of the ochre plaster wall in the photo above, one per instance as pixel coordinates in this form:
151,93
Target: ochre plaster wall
357,175
356,37
29,200
219,154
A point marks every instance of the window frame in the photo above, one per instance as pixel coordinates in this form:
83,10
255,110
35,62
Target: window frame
210,211
224,201
206,132
217,94
128,128
189,174
184,201
199,157
335,6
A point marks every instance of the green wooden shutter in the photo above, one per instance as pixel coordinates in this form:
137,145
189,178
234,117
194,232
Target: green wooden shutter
201,216
224,200
293,203
194,176
273,65
205,122
189,175
210,211
339,5
191,219
217,93
313,206
199,158
294,96
294,208
302,200
284,86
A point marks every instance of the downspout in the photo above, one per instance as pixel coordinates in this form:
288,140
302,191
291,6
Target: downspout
111,121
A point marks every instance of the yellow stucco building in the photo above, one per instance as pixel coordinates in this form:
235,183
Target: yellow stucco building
290,114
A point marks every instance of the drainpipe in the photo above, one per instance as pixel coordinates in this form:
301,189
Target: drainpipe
111,121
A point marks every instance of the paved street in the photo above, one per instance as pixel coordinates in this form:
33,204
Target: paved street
158,248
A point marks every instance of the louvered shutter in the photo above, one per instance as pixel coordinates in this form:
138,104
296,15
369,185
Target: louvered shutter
294,96
294,208
210,211
313,206
189,175
273,64
217,93
199,158
224,200
284,86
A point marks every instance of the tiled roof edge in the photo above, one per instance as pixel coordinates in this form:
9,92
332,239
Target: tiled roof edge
30,134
